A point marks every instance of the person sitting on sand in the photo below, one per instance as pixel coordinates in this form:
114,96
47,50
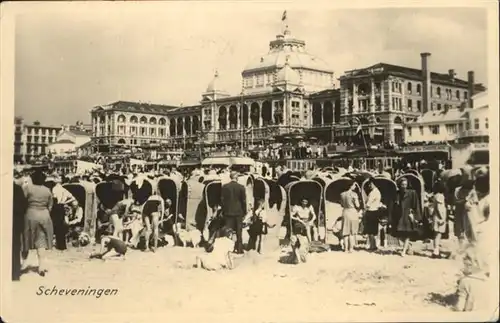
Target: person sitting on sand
218,252
73,219
109,243
133,226
472,286
303,217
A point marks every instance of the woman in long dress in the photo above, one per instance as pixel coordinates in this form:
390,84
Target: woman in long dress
407,219
439,217
38,229
349,200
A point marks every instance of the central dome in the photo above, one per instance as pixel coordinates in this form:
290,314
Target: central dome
298,58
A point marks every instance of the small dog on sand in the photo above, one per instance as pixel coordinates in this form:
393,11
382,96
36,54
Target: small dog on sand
192,237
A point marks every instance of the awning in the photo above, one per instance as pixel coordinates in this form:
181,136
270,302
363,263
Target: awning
188,163
242,161
216,161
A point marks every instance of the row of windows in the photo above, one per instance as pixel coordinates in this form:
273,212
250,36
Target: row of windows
40,139
397,105
144,120
452,128
396,87
43,132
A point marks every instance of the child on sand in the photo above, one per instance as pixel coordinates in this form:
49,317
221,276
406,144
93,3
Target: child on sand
218,253
109,243
258,226
473,285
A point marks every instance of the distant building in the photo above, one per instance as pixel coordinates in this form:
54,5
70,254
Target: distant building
68,141
32,139
385,98
462,125
80,126
476,128
124,123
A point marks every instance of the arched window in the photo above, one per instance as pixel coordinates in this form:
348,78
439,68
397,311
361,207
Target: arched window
144,120
162,122
121,118
457,94
134,119
409,87
438,92
152,120
419,89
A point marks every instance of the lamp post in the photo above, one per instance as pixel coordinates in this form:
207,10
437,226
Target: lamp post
241,119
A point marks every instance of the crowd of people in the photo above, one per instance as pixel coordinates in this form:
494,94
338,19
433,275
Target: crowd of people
47,214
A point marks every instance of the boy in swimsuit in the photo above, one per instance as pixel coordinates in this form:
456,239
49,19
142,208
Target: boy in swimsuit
109,243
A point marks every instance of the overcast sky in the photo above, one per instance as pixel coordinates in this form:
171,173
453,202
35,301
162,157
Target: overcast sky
68,63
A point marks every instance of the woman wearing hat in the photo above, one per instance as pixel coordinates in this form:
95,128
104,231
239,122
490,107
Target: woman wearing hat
38,229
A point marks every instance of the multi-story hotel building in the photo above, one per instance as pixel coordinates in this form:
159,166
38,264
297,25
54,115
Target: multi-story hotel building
385,98
140,124
32,139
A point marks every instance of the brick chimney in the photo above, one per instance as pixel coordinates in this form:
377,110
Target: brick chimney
470,86
451,74
426,82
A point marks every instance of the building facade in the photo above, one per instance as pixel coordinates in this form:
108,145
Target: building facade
385,98
462,125
288,92
68,141
136,124
275,98
32,139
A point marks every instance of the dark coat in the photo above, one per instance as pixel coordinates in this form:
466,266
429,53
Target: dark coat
401,222
19,208
141,194
233,198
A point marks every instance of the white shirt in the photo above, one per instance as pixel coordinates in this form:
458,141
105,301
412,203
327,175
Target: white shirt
374,199
303,213
61,194
222,246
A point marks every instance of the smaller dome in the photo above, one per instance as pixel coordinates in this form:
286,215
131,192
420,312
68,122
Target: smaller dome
288,75
213,86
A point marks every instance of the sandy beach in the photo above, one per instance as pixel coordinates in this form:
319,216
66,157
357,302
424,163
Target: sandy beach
162,286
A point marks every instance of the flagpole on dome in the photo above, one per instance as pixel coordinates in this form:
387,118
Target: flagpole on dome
284,21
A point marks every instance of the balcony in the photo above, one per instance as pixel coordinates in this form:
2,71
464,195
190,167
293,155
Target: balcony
324,125
263,133
473,133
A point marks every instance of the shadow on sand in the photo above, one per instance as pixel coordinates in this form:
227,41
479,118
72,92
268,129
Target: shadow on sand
446,300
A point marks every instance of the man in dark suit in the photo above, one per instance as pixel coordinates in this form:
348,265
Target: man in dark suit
234,208
19,208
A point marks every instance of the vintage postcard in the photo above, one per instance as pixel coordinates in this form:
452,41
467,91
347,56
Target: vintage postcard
249,161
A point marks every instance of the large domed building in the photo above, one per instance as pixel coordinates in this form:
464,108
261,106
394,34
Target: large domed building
314,74
275,97
285,91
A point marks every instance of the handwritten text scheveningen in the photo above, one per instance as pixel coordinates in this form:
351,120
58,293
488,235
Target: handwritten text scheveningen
97,292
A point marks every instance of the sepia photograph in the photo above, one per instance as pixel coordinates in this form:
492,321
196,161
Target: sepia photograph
188,161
